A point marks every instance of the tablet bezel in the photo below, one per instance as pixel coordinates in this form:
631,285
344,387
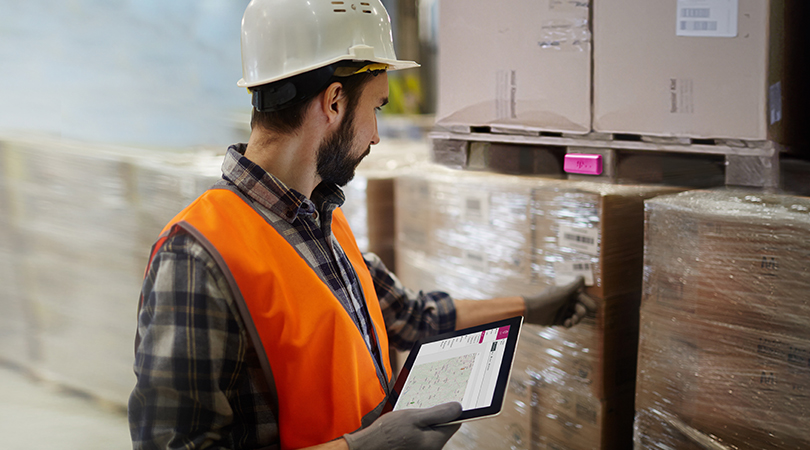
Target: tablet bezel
504,372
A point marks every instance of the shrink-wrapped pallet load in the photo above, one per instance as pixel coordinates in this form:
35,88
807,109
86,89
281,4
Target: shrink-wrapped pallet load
83,218
77,222
369,205
16,335
481,235
724,354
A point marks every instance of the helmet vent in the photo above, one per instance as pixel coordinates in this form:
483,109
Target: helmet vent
340,7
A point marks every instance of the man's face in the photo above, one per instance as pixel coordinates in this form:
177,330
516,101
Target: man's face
340,154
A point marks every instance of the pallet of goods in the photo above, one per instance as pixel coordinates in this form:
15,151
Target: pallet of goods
724,353
479,235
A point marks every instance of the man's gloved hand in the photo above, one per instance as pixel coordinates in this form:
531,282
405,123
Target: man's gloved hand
408,429
559,305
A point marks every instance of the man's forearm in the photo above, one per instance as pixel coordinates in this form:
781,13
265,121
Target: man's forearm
470,313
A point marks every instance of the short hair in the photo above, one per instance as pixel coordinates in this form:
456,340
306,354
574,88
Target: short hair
290,118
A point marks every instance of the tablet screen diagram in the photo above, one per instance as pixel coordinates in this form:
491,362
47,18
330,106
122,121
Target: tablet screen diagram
463,369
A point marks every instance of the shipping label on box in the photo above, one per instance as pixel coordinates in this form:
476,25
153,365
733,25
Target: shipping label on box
707,18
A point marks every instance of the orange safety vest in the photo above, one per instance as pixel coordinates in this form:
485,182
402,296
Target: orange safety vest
325,380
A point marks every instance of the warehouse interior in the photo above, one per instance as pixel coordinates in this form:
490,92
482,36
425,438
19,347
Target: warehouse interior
660,150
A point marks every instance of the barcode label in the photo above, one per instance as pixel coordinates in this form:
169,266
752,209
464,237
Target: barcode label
696,13
476,208
699,25
581,239
707,18
475,260
566,271
581,266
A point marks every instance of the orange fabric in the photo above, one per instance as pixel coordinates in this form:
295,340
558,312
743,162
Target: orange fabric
324,374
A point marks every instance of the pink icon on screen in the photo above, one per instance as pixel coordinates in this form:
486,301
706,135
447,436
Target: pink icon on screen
503,332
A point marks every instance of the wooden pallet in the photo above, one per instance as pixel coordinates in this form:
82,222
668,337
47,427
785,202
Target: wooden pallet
626,158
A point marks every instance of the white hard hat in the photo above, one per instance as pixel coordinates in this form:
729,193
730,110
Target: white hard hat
284,38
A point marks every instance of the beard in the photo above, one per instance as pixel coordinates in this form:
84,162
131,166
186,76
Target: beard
334,161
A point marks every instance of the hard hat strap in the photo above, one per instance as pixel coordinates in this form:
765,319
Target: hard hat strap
281,94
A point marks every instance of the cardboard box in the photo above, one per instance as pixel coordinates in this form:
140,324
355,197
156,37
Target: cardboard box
369,208
515,65
723,347
16,328
369,205
595,230
494,235
528,232
83,218
731,256
474,231
704,70
512,428
569,419
744,386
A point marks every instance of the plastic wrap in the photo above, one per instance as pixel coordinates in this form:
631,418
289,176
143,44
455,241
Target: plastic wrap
724,354
83,219
369,205
482,235
15,333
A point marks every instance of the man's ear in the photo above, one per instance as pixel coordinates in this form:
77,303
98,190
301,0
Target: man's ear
333,103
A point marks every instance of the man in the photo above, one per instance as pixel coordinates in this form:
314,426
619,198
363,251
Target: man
261,324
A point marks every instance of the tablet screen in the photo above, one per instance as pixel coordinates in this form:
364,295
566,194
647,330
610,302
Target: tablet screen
469,366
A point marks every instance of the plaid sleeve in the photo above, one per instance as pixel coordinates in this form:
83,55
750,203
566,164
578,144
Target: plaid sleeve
409,315
190,353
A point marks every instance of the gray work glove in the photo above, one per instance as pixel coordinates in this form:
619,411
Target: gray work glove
408,429
559,305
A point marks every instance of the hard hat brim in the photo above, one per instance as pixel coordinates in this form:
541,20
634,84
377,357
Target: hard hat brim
393,64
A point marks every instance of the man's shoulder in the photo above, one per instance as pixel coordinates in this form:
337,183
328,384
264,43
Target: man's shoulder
181,244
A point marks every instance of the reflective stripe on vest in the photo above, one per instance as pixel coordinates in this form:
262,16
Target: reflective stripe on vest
326,380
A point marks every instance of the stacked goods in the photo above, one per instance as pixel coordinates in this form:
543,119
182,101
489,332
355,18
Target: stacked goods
15,331
724,354
369,205
480,235
532,65
708,69
84,219
74,223
76,226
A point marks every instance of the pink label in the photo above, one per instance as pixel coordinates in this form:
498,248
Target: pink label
482,337
583,163
503,332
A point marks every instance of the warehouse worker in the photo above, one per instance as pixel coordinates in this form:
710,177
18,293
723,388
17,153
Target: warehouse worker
261,324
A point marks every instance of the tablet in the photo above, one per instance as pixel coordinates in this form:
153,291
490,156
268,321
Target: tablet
470,366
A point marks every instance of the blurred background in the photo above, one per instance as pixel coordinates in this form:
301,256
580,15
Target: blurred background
115,114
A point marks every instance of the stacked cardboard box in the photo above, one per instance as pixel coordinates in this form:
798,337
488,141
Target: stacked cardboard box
517,65
724,348
707,69
83,219
369,205
77,222
481,235
732,69
15,331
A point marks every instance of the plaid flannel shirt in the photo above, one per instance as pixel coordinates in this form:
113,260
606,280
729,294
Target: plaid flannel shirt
199,383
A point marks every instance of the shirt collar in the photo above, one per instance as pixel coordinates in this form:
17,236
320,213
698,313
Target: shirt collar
272,193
